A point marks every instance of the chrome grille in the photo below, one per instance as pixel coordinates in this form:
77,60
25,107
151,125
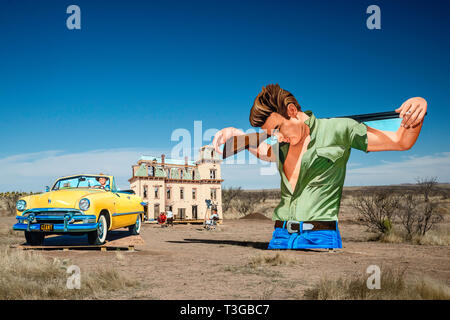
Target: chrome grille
51,213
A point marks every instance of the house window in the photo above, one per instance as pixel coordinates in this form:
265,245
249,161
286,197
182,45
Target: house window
168,193
181,193
145,192
168,173
213,194
212,174
194,193
156,192
151,171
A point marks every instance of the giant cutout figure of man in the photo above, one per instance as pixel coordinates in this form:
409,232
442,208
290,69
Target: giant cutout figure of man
312,157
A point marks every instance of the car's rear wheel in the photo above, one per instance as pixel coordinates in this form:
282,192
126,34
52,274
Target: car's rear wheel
34,238
135,229
98,236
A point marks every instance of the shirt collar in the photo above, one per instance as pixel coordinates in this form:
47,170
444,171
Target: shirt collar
311,123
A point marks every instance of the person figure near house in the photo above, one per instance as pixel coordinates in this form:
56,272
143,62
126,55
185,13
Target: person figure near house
162,218
312,155
212,221
169,218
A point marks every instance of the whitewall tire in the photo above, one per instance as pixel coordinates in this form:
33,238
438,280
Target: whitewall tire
98,237
136,228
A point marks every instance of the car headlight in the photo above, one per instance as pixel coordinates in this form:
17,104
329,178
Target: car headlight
21,205
84,204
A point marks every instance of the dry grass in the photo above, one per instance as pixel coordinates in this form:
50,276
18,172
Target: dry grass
266,292
261,264
393,236
8,236
29,275
394,286
437,237
271,260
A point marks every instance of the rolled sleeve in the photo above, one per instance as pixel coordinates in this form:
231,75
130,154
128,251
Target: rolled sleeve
357,135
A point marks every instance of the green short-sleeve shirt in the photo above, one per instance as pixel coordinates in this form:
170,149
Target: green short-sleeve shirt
317,195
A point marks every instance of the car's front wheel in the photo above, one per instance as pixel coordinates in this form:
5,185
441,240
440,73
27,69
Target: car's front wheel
34,238
98,236
135,229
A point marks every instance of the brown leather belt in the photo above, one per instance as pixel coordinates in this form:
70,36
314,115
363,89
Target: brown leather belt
307,225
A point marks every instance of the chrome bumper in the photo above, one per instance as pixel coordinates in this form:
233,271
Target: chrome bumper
63,220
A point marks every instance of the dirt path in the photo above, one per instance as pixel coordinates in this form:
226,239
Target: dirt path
187,262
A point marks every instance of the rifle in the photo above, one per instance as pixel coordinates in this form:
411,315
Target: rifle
253,140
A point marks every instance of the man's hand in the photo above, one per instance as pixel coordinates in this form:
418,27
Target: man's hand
223,135
412,111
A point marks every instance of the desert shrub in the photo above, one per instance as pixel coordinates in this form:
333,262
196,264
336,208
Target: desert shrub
426,186
263,195
228,195
243,206
239,200
393,286
10,200
376,210
418,217
238,203
418,212
428,218
409,215
259,196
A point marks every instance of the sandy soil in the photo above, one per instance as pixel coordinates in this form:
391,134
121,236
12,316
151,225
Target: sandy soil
188,262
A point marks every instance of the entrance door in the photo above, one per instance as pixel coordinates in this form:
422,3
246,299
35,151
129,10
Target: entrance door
194,212
146,212
181,213
156,210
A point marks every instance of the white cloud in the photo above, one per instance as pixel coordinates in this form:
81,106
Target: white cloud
405,171
33,171
385,173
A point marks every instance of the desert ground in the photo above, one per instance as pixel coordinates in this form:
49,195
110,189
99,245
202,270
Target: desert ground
231,262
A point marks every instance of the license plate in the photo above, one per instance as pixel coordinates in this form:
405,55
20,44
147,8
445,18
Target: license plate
46,227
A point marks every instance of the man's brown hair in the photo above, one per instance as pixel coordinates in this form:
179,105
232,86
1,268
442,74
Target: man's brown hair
271,99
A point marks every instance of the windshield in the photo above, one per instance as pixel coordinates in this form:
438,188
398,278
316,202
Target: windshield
100,182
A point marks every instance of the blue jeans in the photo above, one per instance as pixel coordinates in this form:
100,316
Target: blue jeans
308,239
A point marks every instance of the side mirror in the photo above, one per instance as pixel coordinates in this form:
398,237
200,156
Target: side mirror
47,188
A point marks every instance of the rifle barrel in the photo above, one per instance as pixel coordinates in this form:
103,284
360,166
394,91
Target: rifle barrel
239,143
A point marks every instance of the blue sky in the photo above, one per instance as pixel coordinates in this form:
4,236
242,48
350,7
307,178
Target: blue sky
138,70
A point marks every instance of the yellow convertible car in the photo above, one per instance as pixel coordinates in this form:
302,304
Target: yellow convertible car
76,205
